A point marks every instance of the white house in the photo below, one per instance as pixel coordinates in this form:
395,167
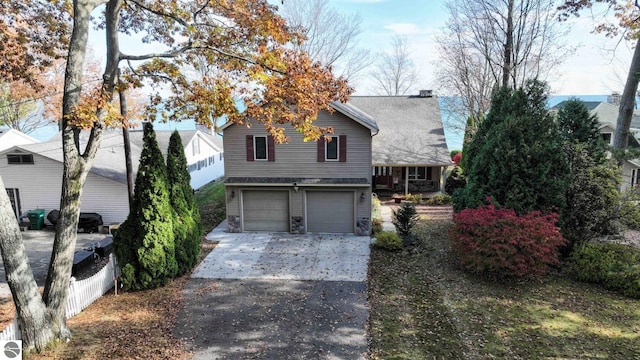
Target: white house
32,173
11,137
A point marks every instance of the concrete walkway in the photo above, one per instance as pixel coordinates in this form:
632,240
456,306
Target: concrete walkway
387,218
278,296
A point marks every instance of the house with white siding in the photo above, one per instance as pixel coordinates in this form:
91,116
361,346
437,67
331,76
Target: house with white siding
12,137
32,173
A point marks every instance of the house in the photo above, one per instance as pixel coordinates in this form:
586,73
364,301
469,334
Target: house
410,153
12,137
607,114
32,173
300,187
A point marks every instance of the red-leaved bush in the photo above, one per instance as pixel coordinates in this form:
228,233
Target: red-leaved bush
457,158
500,242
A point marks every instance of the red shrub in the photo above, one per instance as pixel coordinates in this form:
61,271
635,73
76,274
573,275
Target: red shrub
500,242
456,158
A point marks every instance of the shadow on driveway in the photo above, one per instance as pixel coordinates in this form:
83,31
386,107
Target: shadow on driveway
274,319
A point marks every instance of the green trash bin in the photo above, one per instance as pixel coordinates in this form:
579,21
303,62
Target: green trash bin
36,219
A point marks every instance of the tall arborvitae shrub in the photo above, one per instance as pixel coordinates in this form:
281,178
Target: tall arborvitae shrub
144,243
516,156
186,216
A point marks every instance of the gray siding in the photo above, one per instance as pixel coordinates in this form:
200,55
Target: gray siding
298,158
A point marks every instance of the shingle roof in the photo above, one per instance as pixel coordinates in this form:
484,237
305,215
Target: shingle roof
590,105
410,130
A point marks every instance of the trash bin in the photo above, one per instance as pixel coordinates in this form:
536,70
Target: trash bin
36,219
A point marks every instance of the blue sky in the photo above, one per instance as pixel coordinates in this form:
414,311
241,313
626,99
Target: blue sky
594,69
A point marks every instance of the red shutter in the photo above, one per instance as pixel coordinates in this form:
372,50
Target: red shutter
343,148
271,149
321,144
250,148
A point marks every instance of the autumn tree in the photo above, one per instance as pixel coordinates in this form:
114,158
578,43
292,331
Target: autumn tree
330,36
487,44
395,74
627,15
186,215
144,243
19,109
245,40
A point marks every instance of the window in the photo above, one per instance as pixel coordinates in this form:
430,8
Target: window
20,159
419,173
195,146
260,147
220,156
606,138
332,149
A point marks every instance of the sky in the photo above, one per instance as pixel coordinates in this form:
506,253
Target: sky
593,69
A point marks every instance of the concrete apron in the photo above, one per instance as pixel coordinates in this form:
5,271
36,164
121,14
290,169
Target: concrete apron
281,256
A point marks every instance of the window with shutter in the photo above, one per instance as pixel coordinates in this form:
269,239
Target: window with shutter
321,146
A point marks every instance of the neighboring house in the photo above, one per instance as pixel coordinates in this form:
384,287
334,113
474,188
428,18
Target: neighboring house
608,117
32,173
12,137
410,153
300,187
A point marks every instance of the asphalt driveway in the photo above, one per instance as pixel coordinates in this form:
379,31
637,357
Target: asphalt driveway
278,296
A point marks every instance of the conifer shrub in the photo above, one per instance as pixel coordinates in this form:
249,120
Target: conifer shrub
405,218
144,243
388,240
614,266
500,242
185,213
455,181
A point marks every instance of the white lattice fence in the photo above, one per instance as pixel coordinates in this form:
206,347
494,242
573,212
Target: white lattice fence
81,294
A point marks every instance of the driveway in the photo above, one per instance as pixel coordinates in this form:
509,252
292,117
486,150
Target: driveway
39,244
278,296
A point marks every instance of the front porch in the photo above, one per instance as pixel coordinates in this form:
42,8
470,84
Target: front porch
389,180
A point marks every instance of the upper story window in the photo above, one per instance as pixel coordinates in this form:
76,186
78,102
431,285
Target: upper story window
606,137
20,159
260,148
332,149
195,146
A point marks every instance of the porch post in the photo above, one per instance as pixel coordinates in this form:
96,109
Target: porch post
406,181
443,178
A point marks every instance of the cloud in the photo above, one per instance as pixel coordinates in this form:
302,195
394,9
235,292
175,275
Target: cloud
403,28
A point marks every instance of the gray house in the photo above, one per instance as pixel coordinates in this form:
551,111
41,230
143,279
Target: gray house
301,186
410,153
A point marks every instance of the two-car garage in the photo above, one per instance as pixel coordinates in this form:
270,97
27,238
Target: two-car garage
327,211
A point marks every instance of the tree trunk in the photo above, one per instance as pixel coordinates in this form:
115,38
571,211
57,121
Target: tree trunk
127,143
508,46
36,324
75,170
627,101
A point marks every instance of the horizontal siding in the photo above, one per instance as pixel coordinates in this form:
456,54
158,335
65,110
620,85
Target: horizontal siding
298,158
40,186
211,165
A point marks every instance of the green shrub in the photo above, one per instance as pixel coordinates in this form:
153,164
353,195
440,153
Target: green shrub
416,199
440,199
615,266
455,180
376,226
500,242
376,207
388,240
405,218
630,214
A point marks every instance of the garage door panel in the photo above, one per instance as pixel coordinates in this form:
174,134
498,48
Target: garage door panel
265,210
330,211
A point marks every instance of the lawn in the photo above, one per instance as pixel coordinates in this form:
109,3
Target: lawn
133,325
424,307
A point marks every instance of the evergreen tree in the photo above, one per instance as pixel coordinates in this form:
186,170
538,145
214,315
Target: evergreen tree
144,243
516,156
186,215
577,125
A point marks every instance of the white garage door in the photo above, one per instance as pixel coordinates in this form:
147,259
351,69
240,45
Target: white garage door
265,210
330,211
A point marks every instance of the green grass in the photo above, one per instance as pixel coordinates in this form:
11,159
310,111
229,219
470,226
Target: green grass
424,307
210,200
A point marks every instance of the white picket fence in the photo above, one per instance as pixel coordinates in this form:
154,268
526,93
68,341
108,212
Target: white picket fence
81,294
